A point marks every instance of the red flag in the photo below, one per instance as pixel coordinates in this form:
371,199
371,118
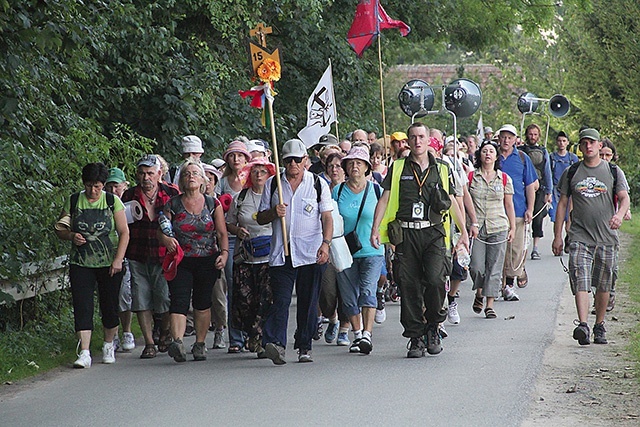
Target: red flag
369,20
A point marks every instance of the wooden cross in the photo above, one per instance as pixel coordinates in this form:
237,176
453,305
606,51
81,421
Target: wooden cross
260,31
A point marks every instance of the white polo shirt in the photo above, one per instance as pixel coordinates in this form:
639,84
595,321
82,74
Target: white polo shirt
304,226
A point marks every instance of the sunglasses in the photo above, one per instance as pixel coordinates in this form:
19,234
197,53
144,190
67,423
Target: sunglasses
293,159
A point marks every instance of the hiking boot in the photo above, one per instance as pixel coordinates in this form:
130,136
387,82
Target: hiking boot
128,341
599,336
365,346
331,333
581,333
275,352
416,348
83,360
199,351
433,340
176,350
218,340
108,353
452,315
304,356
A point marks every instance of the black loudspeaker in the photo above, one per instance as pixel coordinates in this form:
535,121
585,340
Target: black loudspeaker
416,98
559,105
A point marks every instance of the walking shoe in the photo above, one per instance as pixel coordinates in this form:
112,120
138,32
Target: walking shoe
535,255
189,331
128,341
331,333
343,339
355,346
442,330
599,333
304,356
416,348
452,315
612,303
509,294
108,353
83,360
116,343
581,333
275,352
176,350
381,316
218,340
434,343
365,346
199,351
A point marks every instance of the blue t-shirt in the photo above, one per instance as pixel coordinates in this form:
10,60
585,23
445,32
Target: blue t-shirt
521,170
349,205
560,163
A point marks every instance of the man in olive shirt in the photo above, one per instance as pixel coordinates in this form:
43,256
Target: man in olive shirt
423,260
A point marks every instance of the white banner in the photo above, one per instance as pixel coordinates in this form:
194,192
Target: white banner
480,130
321,110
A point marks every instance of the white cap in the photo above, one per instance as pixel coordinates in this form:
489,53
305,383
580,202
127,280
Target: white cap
508,128
191,144
254,145
294,148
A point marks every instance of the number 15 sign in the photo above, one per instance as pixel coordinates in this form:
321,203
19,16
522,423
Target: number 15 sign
259,51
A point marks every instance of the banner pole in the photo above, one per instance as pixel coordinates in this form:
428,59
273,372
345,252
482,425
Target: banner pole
384,125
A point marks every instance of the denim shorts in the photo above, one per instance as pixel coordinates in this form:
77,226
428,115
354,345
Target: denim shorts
358,284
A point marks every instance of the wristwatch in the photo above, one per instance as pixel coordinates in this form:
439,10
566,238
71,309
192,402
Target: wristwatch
328,242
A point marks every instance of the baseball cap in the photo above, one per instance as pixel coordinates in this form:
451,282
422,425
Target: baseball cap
508,128
116,175
294,148
149,160
398,136
170,263
217,163
589,133
562,134
488,129
254,145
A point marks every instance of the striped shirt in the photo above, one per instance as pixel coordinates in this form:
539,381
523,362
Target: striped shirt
304,226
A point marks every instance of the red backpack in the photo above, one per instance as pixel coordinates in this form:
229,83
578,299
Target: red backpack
504,178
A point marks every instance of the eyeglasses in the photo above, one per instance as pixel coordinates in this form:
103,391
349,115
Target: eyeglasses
189,173
334,166
259,171
293,159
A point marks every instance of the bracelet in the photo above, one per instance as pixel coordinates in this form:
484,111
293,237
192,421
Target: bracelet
224,250
328,242
475,225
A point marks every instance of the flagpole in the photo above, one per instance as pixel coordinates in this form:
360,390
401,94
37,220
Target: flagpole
384,124
274,144
334,99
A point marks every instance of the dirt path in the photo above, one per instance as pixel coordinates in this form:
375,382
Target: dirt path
590,385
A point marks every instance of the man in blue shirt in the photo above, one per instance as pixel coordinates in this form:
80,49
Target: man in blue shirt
519,167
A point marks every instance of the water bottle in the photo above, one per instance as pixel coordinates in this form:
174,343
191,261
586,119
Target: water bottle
165,224
463,257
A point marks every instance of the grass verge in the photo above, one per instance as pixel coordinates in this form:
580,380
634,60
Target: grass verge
630,272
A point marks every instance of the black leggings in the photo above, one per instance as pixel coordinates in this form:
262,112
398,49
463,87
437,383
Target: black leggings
536,224
83,284
197,275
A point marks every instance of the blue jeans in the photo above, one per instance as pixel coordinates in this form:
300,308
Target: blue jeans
236,337
358,284
307,283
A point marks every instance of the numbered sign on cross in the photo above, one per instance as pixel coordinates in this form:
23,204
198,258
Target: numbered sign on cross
258,51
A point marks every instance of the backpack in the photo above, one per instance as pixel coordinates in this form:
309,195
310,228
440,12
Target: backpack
74,202
537,155
504,178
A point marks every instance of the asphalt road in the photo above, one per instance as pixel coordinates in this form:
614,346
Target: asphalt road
484,377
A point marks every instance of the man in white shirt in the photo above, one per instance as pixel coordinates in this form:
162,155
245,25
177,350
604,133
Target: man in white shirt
306,207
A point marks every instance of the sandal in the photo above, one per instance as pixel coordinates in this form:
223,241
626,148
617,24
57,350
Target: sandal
478,303
523,280
164,342
149,352
489,313
235,349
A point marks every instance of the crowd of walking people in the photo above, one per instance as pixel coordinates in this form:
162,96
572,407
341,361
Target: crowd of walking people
221,246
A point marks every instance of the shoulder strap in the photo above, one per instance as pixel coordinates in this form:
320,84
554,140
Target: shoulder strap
364,200
521,154
274,184
74,203
504,179
470,176
111,202
318,186
211,204
242,194
173,204
570,173
376,188
614,172
340,187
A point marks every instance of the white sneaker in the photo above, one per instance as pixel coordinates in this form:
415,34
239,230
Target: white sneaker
128,341
452,315
83,361
108,353
509,294
381,316
218,339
